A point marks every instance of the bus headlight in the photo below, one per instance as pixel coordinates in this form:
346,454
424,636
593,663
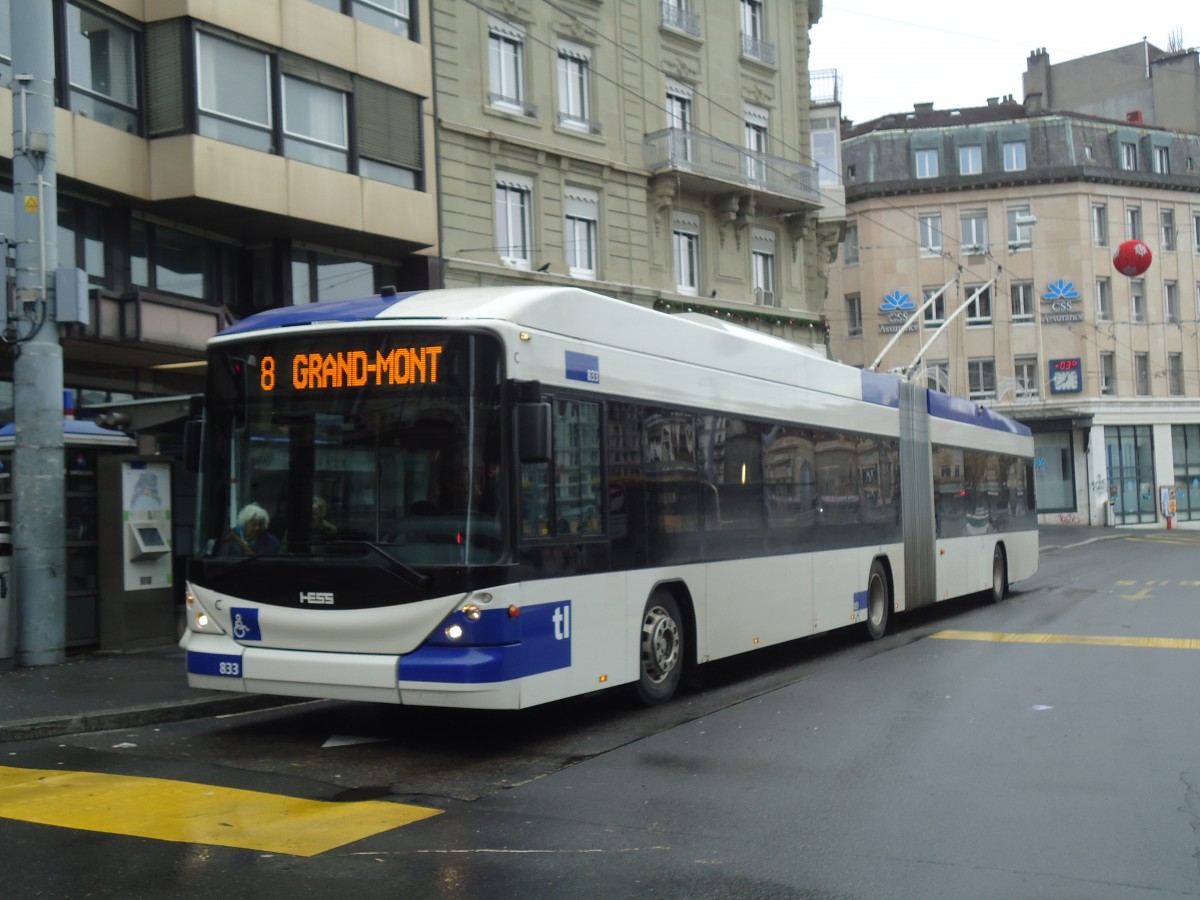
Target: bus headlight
454,632
472,612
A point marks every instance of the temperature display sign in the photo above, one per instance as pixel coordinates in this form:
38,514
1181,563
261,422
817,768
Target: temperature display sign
1066,376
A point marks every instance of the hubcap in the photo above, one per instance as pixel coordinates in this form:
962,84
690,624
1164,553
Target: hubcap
660,644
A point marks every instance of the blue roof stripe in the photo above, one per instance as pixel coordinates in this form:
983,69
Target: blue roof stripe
881,389
957,409
331,311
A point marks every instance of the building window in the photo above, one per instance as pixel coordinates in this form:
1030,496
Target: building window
1020,228
1108,374
234,92
315,126
80,236
926,163
1185,441
1103,300
981,379
1175,374
762,260
1014,156
5,43
1129,156
1137,300
574,87
851,244
756,144
1099,225
930,225
979,312
1196,232
974,232
506,66
937,376
1129,452
754,42
102,68
1054,476
679,119
1141,374
318,276
177,262
1025,370
1133,223
854,320
935,312
686,247
514,217
581,231
1171,302
1162,160
970,159
1023,303
1167,229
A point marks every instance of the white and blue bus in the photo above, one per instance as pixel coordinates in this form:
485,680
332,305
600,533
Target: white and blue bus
500,497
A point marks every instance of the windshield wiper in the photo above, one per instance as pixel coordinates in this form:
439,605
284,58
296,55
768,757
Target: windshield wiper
404,569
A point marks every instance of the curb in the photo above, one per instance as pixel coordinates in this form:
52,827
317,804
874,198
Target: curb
34,729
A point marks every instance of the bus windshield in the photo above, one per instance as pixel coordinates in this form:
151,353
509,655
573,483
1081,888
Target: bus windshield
354,442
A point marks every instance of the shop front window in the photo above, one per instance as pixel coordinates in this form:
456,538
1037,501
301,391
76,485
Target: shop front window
1129,454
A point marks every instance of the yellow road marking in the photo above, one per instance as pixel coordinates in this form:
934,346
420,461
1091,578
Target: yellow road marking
194,813
1093,640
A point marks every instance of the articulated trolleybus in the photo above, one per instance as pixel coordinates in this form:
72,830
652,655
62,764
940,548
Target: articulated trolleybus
500,497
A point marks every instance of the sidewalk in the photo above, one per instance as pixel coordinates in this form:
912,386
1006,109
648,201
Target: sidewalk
100,691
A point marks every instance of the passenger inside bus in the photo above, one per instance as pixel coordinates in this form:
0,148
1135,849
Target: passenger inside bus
249,537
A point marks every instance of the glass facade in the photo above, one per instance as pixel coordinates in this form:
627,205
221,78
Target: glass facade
1129,456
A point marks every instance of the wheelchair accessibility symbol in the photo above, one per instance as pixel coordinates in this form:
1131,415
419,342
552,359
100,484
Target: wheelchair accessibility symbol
245,624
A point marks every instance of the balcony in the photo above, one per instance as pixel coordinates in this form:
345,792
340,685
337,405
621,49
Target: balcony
680,20
758,49
709,164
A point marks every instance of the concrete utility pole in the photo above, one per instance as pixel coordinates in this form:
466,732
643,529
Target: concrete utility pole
39,534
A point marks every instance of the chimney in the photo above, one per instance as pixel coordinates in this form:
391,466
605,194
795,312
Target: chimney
993,101
923,109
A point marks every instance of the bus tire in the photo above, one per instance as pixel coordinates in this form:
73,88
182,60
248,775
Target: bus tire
999,574
879,601
661,649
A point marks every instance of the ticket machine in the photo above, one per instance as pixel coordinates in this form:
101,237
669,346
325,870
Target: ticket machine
137,606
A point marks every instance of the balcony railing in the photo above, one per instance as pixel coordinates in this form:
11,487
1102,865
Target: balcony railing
756,48
675,148
680,20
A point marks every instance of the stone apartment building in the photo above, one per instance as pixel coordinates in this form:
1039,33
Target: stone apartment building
658,152
1016,209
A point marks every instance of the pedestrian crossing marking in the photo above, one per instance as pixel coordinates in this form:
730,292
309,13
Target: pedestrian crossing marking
193,813
1092,640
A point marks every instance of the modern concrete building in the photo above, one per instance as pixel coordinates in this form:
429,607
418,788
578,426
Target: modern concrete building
658,152
1018,214
216,157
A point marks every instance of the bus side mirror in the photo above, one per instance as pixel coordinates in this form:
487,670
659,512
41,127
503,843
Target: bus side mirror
533,432
191,444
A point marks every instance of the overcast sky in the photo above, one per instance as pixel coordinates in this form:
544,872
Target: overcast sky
953,54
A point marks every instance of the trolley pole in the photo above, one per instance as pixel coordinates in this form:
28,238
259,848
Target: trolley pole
39,534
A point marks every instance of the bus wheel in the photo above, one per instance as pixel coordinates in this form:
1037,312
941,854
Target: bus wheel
879,601
999,574
661,649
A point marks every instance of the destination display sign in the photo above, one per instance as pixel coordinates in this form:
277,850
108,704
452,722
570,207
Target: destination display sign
350,368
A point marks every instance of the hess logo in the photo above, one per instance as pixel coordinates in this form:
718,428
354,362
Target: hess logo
317,598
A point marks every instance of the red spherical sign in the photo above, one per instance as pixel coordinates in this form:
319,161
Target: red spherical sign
1132,258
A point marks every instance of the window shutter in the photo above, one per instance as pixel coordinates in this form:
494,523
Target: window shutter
165,102
389,124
